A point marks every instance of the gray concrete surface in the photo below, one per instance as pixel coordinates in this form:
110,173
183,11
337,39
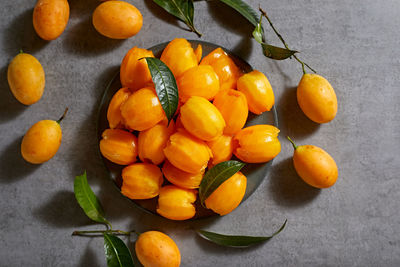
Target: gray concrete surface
354,44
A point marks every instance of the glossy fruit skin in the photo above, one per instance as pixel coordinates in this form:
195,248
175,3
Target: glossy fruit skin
153,141
114,116
187,152
221,148
142,110
41,141
134,73
176,203
198,52
117,19
181,178
224,66
26,78
179,56
317,98
198,81
315,166
258,91
228,195
257,144
50,18
156,249
141,181
233,107
119,146
202,119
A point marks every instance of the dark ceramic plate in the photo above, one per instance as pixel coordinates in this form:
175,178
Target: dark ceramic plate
255,172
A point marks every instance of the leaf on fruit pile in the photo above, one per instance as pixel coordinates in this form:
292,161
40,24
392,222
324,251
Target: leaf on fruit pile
270,51
182,9
165,84
88,200
216,176
236,241
117,253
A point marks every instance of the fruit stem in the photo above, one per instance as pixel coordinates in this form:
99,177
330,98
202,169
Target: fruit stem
97,232
293,144
303,64
21,51
62,117
195,31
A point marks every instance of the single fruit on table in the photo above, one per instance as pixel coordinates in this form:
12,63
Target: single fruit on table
317,98
42,140
154,248
134,73
141,181
224,66
233,107
187,152
258,91
119,146
117,19
26,78
176,203
198,52
152,142
179,56
228,195
114,116
257,144
181,178
221,148
202,119
142,110
198,81
314,165
50,17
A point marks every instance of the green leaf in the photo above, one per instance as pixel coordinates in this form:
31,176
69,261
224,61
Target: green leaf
117,253
216,176
165,83
276,53
236,241
244,9
182,9
88,200
270,51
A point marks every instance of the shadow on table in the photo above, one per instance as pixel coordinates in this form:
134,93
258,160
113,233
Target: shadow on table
82,38
62,211
12,166
89,258
232,21
292,120
10,108
287,188
20,34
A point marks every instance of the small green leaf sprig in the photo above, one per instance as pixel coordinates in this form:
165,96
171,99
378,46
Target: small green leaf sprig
117,253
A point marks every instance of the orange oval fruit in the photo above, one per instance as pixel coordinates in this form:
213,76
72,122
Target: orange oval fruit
141,181
50,18
114,116
181,178
176,203
221,148
119,146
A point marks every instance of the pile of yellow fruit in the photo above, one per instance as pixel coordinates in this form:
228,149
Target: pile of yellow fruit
215,97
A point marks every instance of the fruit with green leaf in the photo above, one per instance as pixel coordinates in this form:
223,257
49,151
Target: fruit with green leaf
50,18
314,165
26,78
317,98
117,19
42,141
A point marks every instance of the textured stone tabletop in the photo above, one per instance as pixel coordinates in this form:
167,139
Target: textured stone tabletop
354,44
